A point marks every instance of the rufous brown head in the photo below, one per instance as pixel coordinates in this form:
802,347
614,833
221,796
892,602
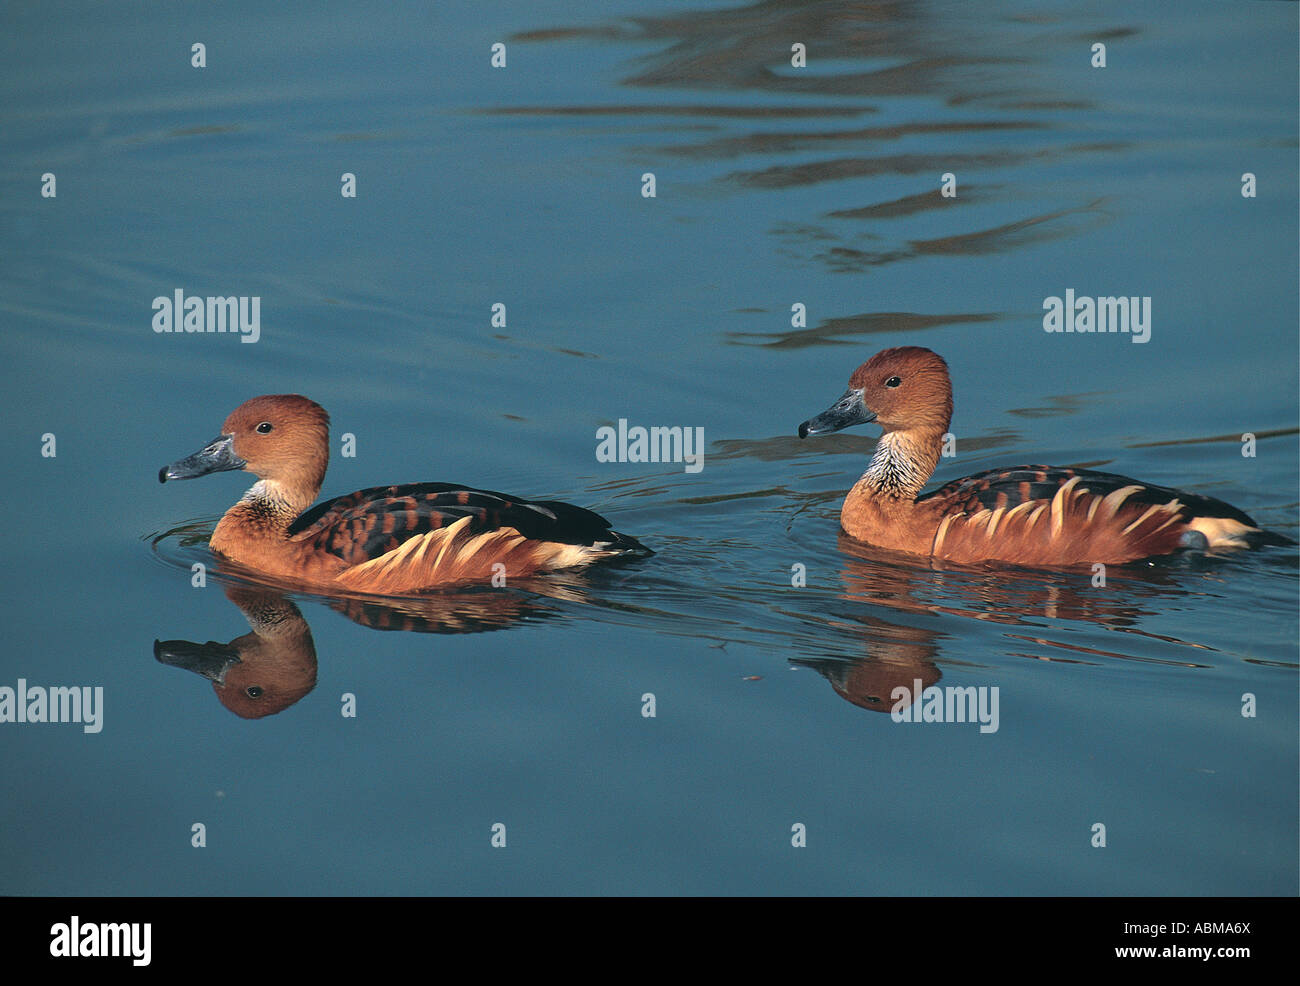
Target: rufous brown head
903,389
283,438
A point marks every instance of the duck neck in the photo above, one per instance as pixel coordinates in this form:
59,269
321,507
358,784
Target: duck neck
266,510
902,463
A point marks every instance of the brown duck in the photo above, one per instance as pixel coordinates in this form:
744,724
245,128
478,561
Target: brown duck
1040,516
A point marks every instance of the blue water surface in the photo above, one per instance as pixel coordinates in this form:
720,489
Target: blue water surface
767,644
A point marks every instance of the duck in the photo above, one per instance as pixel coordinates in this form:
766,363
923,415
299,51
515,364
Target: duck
384,540
1032,516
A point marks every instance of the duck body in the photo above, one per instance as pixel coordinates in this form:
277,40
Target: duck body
385,539
1038,516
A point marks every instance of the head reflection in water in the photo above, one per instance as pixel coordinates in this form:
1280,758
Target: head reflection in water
260,673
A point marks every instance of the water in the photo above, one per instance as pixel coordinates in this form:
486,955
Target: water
776,186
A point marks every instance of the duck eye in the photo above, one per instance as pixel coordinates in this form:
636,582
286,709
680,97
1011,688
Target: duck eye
253,691
264,428
893,381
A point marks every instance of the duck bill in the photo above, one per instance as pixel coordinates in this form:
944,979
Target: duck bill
217,456
849,410
212,660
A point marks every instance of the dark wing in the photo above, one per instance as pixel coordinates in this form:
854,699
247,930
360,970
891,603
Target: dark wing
372,522
1020,484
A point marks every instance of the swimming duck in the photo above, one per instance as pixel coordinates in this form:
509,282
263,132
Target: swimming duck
385,539
1038,516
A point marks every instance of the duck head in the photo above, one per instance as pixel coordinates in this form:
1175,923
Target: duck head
903,389
283,439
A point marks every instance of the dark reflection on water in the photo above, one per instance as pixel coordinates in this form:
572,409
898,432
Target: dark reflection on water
784,143
1022,232
908,205
1006,236
1060,405
1234,439
880,51
748,47
838,169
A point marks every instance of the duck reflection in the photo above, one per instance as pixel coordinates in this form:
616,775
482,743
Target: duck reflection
271,668
899,654
260,673
898,657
